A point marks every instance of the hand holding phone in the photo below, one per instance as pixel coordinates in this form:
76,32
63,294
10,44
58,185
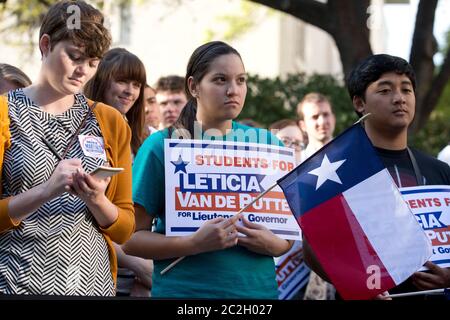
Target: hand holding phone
102,172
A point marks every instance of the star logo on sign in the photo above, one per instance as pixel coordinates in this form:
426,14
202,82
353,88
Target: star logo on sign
327,171
180,165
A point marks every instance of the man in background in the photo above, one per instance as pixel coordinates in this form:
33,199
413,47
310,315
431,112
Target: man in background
171,99
317,120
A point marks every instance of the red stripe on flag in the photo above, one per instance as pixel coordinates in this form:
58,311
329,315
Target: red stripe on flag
344,251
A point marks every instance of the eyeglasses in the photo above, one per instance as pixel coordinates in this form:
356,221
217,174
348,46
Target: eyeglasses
293,143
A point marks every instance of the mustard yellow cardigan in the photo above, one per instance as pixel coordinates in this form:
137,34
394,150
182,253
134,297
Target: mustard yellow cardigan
117,136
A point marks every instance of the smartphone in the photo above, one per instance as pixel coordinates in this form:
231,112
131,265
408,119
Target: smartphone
105,172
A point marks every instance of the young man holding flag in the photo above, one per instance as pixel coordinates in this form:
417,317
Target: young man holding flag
384,86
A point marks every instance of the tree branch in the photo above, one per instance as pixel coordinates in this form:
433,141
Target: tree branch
310,11
436,89
423,48
422,45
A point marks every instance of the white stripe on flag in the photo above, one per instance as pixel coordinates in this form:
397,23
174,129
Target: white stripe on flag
390,226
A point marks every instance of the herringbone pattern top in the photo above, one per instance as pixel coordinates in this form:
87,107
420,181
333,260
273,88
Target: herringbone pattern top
57,250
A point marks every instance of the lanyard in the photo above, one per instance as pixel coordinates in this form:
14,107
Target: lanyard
417,173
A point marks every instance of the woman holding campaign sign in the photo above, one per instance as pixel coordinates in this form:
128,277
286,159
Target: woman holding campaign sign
56,220
219,263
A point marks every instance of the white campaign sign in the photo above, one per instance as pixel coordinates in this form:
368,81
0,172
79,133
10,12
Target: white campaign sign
292,272
431,207
210,179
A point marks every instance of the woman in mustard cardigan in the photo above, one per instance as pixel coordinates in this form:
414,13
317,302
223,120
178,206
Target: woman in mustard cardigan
56,221
119,82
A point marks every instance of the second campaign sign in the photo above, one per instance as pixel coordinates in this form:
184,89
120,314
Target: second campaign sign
431,207
210,179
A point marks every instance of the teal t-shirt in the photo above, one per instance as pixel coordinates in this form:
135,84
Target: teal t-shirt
225,274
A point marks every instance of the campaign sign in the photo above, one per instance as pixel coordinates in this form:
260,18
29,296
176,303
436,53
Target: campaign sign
211,179
292,272
431,207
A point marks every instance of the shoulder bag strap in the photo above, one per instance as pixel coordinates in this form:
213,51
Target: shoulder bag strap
77,132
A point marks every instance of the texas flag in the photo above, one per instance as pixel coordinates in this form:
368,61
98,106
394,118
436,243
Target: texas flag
354,217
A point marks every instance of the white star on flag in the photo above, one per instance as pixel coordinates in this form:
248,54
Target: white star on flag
327,171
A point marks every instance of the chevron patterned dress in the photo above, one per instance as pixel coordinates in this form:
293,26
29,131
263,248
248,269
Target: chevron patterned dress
58,249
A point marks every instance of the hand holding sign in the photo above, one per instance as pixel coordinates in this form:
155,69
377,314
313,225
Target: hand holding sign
233,218
258,236
218,178
437,277
216,234
214,180
221,231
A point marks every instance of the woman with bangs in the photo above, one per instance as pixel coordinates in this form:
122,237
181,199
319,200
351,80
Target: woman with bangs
120,82
57,222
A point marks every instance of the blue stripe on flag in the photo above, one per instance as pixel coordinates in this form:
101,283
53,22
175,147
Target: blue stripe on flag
361,162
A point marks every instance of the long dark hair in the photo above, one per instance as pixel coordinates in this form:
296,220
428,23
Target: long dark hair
120,64
198,65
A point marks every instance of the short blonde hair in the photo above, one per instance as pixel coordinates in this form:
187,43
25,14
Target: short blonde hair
314,97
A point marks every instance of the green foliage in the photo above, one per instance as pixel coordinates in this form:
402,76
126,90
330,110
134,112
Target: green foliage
269,100
436,133
231,26
20,17
444,48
